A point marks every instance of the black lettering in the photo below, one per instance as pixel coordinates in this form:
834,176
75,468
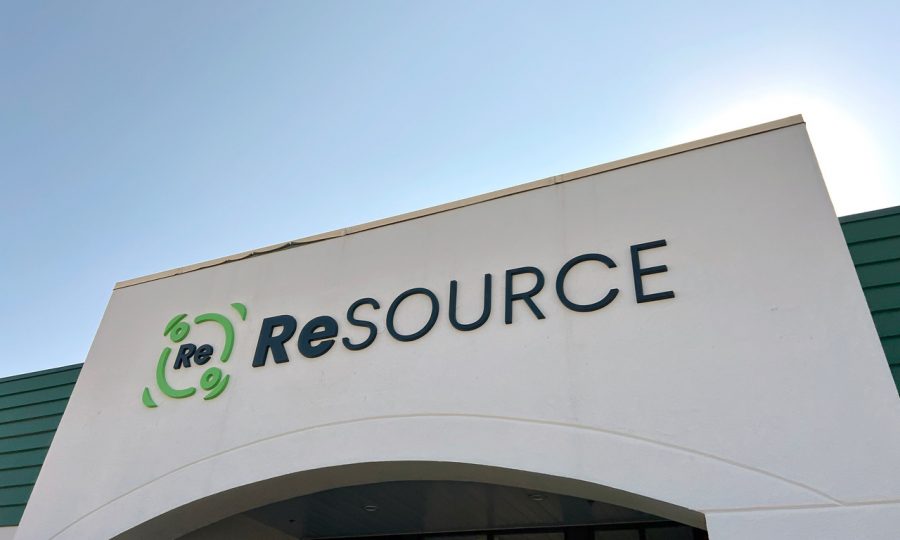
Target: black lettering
511,297
185,352
485,311
639,273
318,329
561,283
351,318
396,303
267,341
204,353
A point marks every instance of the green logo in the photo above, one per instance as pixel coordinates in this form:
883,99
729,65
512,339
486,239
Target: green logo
212,380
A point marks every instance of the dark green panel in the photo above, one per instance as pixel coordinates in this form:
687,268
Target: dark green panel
887,323
11,515
15,495
882,298
891,349
876,250
895,371
874,242
31,406
870,229
36,396
871,214
25,427
25,458
26,442
19,477
33,411
883,273
41,379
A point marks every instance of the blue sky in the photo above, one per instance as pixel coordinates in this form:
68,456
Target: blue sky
137,137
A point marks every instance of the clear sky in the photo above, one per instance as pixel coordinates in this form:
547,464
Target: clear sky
137,137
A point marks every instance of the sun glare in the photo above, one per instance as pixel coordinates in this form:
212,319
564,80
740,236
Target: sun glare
848,154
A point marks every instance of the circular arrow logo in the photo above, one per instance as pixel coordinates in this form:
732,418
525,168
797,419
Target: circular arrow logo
212,381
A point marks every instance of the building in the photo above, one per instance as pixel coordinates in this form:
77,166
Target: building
670,346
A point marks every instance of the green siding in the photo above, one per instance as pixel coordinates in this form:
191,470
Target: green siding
26,442
883,298
28,426
874,250
878,274
11,515
15,495
874,242
42,395
20,476
39,380
31,407
895,373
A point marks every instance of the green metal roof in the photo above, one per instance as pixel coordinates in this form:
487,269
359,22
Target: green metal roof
874,242
31,405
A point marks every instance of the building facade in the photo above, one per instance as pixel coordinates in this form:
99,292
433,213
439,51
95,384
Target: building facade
675,345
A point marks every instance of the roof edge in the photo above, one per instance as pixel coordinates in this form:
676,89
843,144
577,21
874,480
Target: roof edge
871,214
32,374
521,188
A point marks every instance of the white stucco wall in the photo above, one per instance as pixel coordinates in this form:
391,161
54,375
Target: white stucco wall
758,395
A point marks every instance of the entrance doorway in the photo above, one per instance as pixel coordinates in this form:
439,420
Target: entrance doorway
444,510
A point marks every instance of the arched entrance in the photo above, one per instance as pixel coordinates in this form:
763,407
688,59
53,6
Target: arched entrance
425,501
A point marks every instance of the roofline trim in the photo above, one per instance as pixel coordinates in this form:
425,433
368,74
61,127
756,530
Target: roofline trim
871,214
521,188
32,374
